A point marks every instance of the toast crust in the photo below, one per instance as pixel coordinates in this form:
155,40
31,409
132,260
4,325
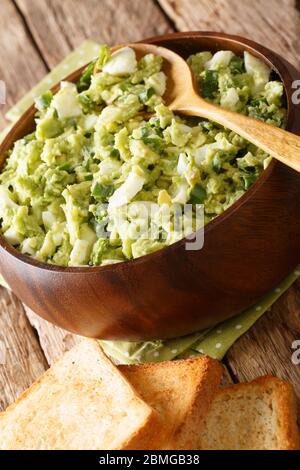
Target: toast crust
147,419
160,383
286,408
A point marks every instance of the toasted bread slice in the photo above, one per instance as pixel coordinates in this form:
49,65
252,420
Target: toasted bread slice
81,402
181,392
260,415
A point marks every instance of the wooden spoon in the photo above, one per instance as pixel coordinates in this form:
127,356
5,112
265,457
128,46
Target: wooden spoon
182,96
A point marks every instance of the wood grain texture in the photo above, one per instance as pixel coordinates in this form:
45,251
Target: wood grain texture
54,340
282,145
57,27
273,23
21,358
21,67
65,24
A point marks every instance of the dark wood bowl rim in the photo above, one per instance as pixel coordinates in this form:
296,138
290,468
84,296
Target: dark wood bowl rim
258,50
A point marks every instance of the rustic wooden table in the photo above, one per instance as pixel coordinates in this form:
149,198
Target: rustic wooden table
34,36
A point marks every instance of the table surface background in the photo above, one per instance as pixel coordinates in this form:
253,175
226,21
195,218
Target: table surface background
37,34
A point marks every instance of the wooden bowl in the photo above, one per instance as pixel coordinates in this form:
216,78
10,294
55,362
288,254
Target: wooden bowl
247,250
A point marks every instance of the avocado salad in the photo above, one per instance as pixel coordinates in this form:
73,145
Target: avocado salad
109,141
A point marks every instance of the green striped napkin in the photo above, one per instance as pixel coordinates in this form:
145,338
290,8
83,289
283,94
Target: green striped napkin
214,342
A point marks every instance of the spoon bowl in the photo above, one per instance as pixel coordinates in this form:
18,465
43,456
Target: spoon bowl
179,76
182,96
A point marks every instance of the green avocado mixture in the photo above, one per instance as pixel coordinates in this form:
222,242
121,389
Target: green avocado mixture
95,150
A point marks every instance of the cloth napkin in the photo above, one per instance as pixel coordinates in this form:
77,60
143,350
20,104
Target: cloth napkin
214,342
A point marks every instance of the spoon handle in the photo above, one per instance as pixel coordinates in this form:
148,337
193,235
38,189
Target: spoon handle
280,144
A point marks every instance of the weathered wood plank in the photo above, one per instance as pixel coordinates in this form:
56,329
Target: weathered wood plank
274,23
267,347
66,24
21,67
54,340
21,358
